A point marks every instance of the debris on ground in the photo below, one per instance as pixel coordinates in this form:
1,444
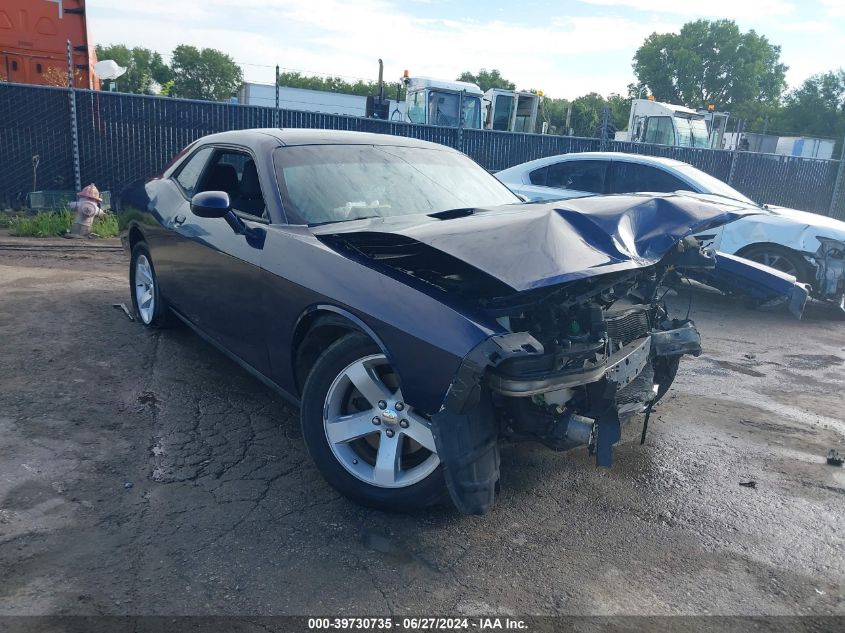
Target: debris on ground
748,484
122,306
834,458
128,485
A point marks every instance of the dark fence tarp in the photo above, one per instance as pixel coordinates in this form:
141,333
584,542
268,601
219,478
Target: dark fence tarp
125,137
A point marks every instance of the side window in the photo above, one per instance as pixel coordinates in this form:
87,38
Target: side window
634,177
191,171
660,130
235,173
578,175
539,176
416,109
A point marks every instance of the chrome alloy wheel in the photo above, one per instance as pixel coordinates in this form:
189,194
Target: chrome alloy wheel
373,434
144,289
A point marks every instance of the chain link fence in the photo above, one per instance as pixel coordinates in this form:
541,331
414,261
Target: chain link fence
123,138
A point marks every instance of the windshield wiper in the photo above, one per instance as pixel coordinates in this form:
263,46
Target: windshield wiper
360,217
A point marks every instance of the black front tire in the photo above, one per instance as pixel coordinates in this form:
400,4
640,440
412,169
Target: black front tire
327,368
161,316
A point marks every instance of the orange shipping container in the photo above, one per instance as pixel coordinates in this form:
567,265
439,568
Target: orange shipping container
33,43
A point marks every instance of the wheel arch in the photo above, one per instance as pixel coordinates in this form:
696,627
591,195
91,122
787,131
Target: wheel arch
317,328
135,236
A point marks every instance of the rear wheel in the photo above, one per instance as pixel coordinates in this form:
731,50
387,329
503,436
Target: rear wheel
365,440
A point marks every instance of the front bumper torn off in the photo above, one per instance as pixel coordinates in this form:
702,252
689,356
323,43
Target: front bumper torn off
619,368
466,431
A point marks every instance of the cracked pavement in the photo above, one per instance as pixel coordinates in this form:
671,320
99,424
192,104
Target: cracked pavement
144,473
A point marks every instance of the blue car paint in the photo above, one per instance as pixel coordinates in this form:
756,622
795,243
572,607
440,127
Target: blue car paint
543,244
757,281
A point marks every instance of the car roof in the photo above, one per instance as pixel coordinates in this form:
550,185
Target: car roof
306,136
658,161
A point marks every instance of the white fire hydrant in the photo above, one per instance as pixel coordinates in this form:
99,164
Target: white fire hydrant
87,209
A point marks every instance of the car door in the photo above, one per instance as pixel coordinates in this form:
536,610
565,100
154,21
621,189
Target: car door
219,265
572,178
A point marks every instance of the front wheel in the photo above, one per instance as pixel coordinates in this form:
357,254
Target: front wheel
150,308
365,440
779,258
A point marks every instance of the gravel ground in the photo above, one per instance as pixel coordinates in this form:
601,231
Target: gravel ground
143,473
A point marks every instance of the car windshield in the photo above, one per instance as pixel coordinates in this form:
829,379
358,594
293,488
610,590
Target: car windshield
336,183
692,132
708,184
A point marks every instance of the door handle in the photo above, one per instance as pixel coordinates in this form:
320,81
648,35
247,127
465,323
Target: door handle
179,220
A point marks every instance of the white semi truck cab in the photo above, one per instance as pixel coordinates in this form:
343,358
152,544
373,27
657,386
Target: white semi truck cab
446,103
669,124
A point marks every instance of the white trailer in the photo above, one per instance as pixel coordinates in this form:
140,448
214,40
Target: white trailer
510,111
310,100
805,146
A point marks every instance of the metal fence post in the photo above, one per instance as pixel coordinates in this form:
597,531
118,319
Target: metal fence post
278,115
605,115
737,135
837,188
460,138
74,130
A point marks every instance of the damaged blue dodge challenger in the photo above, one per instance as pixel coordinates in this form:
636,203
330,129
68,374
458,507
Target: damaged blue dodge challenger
415,309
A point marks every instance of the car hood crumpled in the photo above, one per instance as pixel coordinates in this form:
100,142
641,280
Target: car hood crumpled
541,244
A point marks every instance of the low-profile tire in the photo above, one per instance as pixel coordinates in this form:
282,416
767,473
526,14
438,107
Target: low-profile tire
391,465
148,304
779,258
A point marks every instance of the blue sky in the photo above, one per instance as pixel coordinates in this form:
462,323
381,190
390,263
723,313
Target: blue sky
565,48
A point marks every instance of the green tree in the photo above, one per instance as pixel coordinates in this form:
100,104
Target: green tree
817,107
204,74
487,79
620,110
710,62
143,67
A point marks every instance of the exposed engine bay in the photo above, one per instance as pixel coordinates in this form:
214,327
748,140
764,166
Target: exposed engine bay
582,360
595,346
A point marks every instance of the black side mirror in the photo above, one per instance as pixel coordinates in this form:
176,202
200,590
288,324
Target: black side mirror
211,204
